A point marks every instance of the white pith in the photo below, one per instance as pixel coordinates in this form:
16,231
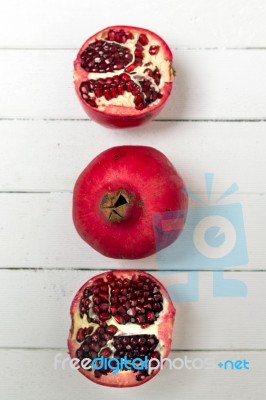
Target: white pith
127,99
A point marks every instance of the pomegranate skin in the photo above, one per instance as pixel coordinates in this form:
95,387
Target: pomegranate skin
121,198
162,329
112,115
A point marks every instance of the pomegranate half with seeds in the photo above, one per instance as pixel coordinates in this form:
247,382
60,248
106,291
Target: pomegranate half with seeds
120,315
126,200
123,76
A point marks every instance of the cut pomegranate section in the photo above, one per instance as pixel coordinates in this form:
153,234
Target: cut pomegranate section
136,326
112,80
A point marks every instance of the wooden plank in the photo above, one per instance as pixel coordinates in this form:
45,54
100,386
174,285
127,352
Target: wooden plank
30,374
224,85
34,307
36,230
49,155
190,23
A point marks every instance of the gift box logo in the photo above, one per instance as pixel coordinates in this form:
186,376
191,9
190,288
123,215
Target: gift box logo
213,239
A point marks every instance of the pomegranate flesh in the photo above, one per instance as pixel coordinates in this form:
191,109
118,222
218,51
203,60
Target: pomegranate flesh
121,198
123,76
123,315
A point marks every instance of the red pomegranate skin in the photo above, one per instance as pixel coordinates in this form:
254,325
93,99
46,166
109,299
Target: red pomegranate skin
126,116
146,187
161,329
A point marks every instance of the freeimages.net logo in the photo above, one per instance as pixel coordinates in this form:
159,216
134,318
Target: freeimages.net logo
213,239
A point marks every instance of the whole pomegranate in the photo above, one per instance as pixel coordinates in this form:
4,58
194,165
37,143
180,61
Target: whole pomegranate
123,196
120,315
123,76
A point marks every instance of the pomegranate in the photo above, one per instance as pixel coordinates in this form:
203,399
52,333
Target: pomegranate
123,76
120,315
121,199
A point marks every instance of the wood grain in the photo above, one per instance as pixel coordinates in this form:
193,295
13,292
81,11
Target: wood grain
213,84
205,23
35,377
34,306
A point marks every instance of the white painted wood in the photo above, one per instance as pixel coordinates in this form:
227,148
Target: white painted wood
36,230
30,374
49,155
223,84
34,308
205,23
46,140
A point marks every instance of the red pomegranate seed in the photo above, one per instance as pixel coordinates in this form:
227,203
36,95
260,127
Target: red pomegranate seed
111,329
134,302
92,354
113,309
88,331
143,39
95,346
113,90
118,66
119,319
115,291
140,319
130,68
129,35
96,309
150,316
138,62
121,310
121,88
104,287
127,318
139,53
129,86
113,299
102,342
153,50
133,341
105,352
104,316
98,92
97,373
88,291
85,347
147,306
125,77
80,335
107,336
119,283
124,341
104,296
94,338
139,99
99,331
111,35
96,300
131,311
107,94
92,103
140,309
104,306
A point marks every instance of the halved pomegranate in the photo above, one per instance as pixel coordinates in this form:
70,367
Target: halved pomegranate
122,198
121,315
123,76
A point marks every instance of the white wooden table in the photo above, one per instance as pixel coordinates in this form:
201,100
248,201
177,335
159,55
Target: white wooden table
214,122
